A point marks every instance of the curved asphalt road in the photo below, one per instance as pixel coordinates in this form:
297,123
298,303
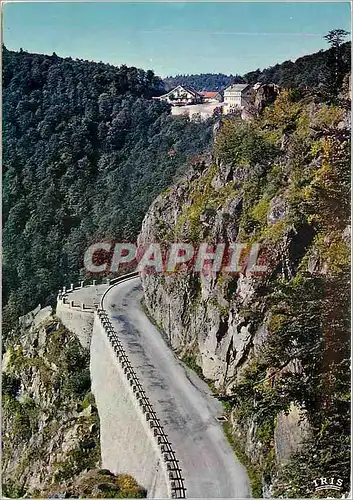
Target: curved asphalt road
183,403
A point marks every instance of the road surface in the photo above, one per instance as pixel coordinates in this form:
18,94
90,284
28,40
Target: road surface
183,403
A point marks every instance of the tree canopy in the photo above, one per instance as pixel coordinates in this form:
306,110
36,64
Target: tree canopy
86,150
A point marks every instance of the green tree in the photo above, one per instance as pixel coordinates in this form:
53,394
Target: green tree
336,37
336,63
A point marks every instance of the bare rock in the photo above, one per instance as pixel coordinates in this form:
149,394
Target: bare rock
290,431
277,211
266,94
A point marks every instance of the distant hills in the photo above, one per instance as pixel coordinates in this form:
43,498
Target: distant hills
307,71
204,81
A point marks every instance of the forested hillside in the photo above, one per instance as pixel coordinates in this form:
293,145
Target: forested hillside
85,152
306,72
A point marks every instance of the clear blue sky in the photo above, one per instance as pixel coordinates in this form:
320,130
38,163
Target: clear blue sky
175,38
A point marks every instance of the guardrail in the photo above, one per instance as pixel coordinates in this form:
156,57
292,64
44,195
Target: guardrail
174,472
117,280
64,293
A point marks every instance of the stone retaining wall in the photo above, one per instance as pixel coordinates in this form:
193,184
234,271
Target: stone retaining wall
126,442
132,438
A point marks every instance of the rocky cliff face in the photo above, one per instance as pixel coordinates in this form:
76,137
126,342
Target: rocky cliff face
280,181
202,313
50,426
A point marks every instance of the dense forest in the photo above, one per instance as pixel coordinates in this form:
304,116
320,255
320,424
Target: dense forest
86,150
306,72
204,81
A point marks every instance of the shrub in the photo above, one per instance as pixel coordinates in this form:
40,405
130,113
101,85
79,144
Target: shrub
10,384
241,143
79,383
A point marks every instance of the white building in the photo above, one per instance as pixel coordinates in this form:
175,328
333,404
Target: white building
181,96
236,96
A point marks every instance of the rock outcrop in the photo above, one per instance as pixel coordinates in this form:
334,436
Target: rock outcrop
217,318
50,425
266,95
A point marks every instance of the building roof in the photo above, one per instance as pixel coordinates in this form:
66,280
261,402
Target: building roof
191,90
187,89
210,95
237,87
